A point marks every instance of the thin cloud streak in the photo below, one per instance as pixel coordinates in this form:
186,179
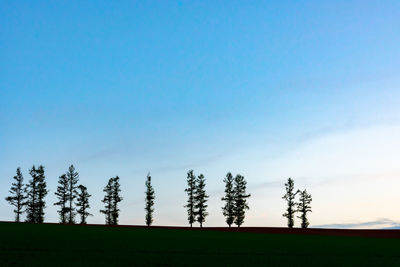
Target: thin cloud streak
378,224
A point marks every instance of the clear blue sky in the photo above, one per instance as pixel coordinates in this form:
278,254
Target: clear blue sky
268,89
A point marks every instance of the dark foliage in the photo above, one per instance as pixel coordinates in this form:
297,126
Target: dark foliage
63,197
18,195
290,199
107,200
37,191
200,198
191,181
304,206
72,178
116,198
149,201
228,209
111,200
240,199
83,203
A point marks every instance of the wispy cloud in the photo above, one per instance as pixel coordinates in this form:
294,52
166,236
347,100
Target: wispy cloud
195,163
276,183
100,154
347,126
383,223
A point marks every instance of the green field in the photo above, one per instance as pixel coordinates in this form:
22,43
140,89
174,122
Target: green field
72,245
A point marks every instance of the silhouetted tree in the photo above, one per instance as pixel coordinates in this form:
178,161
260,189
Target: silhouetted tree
229,198
290,199
303,207
200,199
72,177
107,200
191,181
149,201
116,198
36,193
62,195
42,192
32,188
18,195
240,199
83,203
111,200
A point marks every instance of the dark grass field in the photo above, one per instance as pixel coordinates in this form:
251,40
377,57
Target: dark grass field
24,244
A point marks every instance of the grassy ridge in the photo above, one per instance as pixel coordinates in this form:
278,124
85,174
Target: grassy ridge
72,245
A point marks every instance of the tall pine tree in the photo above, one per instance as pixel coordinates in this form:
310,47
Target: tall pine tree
290,199
111,200
116,198
42,192
18,195
32,188
149,201
37,191
190,190
304,206
83,203
107,200
228,209
200,198
62,195
240,199
73,178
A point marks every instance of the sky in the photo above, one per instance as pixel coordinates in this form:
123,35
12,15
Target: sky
266,89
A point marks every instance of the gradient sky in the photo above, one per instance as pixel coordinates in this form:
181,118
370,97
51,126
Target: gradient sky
268,89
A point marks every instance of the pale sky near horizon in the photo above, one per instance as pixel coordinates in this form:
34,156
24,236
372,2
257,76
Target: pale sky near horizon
270,90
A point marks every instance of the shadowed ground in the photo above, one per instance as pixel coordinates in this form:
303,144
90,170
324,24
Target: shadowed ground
72,245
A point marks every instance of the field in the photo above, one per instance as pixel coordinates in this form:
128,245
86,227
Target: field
76,245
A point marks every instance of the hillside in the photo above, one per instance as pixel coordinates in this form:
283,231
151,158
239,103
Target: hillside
72,245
